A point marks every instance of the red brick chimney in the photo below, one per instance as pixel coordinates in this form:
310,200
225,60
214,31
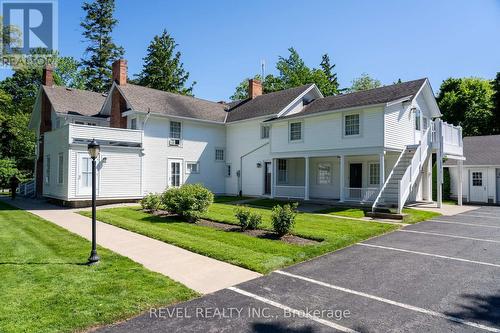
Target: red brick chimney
47,76
254,88
120,72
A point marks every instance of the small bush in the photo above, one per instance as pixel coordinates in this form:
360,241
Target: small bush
151,202
189,201
283,218
242,214
254,221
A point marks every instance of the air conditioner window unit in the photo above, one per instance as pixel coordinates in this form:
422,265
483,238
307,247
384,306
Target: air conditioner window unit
174,142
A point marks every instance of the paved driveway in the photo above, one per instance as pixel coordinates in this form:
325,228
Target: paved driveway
437,276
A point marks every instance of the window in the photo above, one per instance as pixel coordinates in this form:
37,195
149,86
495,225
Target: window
60,169
295,131
374,174
477,179
219,154
193,167
264,132
133,123
92,124
175,130
228,170
351,124
282,171
324,175
417,119
86,171
47,169
79,123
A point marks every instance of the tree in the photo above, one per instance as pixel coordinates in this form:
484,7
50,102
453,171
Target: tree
101,51
467,102
496,104
7,170
332,87
163,68
364,82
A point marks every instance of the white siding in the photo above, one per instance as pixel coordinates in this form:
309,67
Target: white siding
399,126
199,141
56,142
327,191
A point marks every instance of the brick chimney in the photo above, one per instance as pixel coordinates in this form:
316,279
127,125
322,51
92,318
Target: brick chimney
47,76
254,88
120,72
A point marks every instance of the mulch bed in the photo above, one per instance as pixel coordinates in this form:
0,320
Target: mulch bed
259,233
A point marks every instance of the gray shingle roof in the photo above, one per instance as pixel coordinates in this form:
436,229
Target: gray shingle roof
480,150
263,105
74,101
158,101
361,98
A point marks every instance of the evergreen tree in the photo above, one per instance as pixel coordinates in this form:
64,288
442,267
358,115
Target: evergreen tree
496,104
101,51
333,85
163,68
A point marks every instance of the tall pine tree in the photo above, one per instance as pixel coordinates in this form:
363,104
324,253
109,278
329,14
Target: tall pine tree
163,68
327,68
101,51
496,104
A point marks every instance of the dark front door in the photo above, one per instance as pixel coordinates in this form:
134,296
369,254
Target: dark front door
355,180
267,178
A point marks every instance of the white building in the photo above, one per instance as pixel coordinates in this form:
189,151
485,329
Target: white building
373,146
481,176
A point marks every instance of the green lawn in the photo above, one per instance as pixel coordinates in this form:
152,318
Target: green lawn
227,198
261,255
46,288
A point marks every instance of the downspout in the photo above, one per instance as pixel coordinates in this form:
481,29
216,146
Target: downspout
146,118
240,181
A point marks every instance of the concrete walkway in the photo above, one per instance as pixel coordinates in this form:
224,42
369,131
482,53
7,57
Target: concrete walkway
446,210
200,273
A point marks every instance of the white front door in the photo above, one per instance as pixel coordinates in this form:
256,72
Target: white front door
84,183
175,173
477,185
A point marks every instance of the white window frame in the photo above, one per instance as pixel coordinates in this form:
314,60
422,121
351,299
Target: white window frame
188,167
376,174
47,169
265,131
344,124
227,170
418,122
282,178
290,131
319,180
170,129
223,155
133,123
60,168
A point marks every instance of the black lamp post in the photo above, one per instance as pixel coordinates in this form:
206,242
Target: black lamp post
94,149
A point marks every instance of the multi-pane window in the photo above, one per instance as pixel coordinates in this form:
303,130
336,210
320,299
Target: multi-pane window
264,132
374,174
133,123
60,169
282,171
86,171
351,124
417,119
219,154
295,131
228,170
175,130
477,179
324,173
193,167
47,169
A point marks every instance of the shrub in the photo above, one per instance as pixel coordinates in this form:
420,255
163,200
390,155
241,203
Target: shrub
254,220
151,202
283,218
242,214
189,201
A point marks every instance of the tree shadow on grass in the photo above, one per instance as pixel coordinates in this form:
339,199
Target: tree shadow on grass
483,308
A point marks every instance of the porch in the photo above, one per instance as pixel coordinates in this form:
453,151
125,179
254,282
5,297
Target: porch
340,178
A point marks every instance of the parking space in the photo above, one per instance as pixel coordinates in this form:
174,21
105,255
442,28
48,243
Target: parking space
437,276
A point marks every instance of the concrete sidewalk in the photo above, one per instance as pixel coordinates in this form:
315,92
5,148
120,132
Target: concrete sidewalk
200,273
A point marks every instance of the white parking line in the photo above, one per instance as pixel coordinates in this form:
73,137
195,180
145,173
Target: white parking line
294,311
479,216
388,301
452,236
430,254
471,224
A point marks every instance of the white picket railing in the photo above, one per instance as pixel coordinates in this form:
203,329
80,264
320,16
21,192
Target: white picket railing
27,189
363,194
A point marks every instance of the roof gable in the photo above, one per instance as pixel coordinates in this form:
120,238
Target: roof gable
74,101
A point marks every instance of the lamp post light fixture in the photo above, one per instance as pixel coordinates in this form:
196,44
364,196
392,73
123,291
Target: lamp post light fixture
94,150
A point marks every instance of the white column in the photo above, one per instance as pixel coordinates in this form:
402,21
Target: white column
273,178
342,178
306,175
439,161
382,168
460,181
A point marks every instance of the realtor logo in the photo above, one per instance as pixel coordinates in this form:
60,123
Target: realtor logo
29,26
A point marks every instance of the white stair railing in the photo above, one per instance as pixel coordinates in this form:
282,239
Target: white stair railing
379,195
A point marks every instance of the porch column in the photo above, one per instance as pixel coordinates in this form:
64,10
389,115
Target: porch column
273,178
382,168
439,182
342,178
306,175
460,181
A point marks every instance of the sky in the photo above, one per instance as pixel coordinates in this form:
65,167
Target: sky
223,42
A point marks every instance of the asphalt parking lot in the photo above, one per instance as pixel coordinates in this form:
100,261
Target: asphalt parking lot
442,275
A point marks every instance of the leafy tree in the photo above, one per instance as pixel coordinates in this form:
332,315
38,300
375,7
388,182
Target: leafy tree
496,104
468,102
7,170
364,82
101,51
163,68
